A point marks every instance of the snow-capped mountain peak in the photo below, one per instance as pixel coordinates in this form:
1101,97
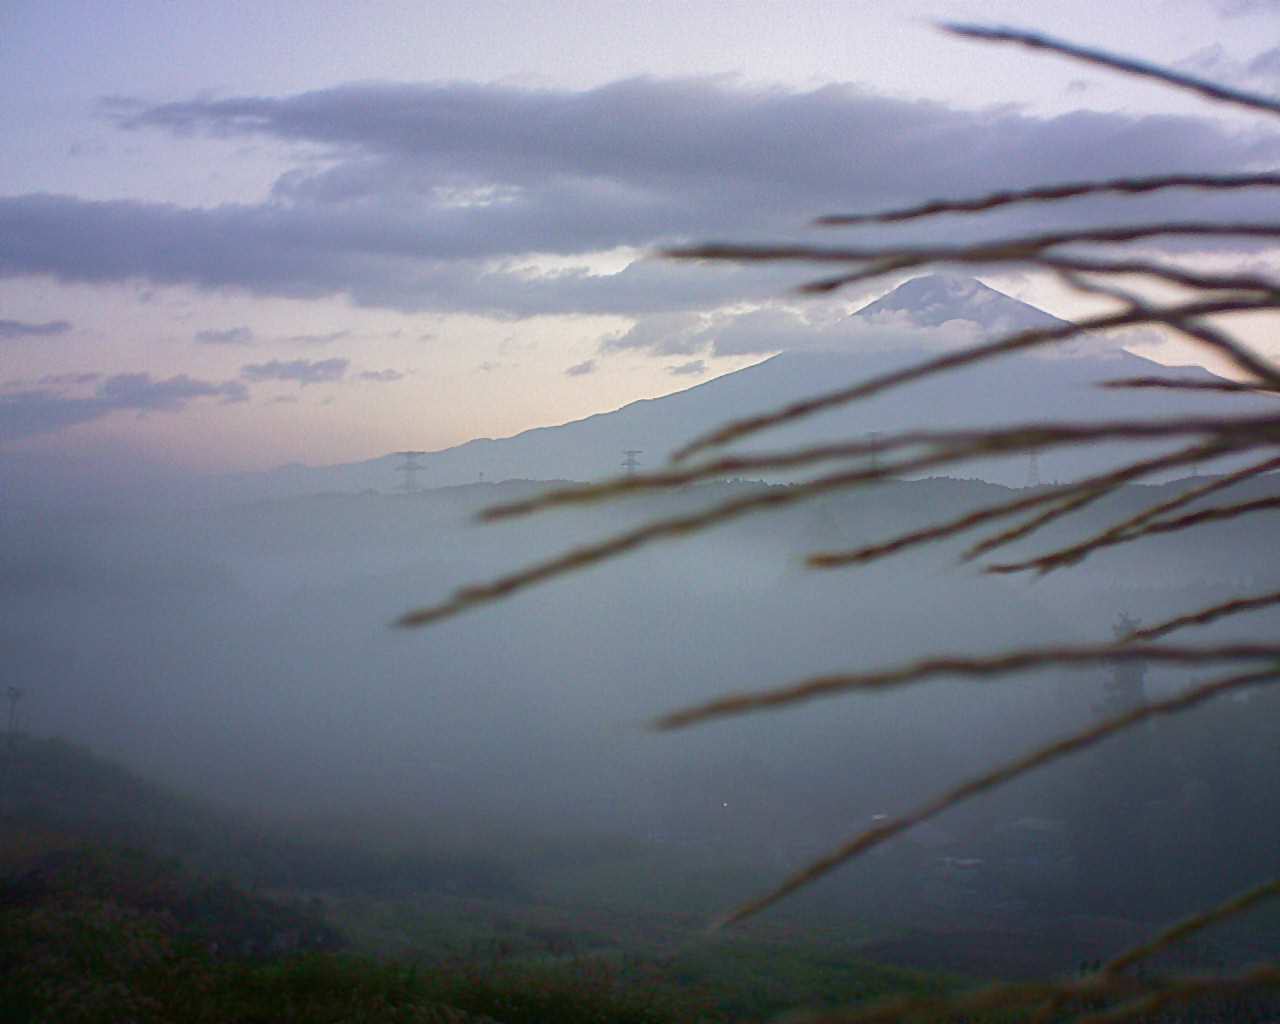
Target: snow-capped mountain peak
936,299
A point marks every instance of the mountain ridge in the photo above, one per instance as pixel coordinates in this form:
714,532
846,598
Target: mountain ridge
1017,388
1057,383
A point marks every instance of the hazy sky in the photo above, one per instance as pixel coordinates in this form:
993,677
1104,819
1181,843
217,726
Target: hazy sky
239,234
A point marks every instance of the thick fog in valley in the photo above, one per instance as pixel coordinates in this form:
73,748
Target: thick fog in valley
230,645
244,654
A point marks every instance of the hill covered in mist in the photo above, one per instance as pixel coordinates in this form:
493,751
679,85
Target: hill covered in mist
916,321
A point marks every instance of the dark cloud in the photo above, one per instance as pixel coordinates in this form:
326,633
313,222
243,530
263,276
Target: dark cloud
22,329
229,336
298,371
139,391
693,368
318,339
63,379
582,369
434,197
381,376
46,410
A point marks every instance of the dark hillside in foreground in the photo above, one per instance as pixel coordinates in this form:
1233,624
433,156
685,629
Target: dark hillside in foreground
59,798
91,932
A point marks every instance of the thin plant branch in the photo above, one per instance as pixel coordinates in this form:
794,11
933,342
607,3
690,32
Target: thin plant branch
1205,616
1103,482
1187,927
979,668
1090,494
981,443
1035,523
957,445
999,250
1053,193
1181,384
676,526
1201,280
1169,273
883,832
1059,252
1078,552
1037,41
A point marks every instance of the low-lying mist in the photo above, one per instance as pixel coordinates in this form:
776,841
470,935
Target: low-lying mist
244,654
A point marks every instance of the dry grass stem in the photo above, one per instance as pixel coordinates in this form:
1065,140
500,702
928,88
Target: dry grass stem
969,521
1206,615
1023,247
1199,280
980,443
1006,772
1118,531
1141,69
1078,552
982,668
1090,493
1096,260
1187,927
1035,523
1053,193
949,446
1101,483
676,526
1178,384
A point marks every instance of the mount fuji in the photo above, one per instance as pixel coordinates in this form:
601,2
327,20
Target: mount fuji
1060,383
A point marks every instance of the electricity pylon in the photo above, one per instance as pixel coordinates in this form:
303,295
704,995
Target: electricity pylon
410,467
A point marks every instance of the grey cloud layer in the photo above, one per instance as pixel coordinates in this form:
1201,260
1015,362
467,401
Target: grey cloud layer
381,376
38,411
429,197
229,336
775,329
298,371
23,329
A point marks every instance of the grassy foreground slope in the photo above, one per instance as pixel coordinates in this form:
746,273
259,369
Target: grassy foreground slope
101,920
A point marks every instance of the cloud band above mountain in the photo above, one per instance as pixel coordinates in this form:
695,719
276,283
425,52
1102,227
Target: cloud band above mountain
445,196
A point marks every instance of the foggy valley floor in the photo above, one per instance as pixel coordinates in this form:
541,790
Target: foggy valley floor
485,792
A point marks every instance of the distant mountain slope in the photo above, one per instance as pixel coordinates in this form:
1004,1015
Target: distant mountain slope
1013,389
